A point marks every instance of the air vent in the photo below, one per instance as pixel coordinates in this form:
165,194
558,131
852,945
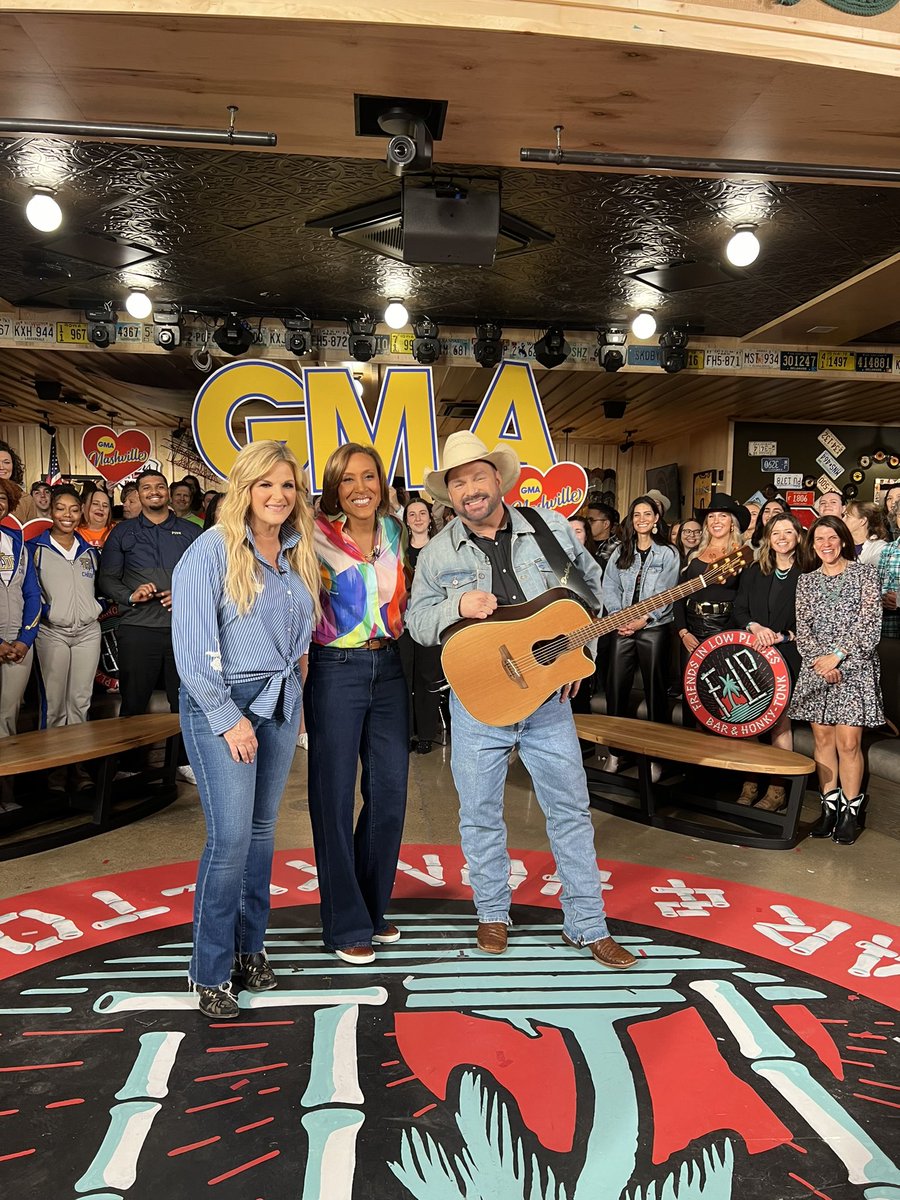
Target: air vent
686,276
460,410
100,249
822,329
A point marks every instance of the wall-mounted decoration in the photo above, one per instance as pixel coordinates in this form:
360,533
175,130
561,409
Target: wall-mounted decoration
115,456
667,481
704,486
562,488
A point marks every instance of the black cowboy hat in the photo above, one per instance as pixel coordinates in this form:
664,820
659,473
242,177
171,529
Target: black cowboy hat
722,502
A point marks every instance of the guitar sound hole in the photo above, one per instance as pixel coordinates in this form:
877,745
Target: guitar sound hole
549,651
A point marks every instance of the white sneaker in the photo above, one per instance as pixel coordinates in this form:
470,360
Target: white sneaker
187,775
612,764
303,741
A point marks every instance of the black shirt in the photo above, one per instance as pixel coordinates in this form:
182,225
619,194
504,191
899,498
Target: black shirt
498,550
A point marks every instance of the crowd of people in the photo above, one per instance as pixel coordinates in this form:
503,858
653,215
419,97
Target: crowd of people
273,621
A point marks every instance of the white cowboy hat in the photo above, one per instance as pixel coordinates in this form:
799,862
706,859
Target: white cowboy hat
464,447
662,501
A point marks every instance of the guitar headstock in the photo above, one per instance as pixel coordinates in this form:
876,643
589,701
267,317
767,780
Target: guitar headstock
729,566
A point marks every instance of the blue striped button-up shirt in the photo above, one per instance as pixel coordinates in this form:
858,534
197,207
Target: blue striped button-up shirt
216,647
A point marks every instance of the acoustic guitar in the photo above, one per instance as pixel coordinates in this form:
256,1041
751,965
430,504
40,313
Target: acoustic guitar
504,667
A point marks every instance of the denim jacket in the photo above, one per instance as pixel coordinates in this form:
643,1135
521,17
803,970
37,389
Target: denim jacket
451,564
660,573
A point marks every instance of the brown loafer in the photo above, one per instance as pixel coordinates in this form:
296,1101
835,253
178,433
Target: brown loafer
357,955
607,952
492,937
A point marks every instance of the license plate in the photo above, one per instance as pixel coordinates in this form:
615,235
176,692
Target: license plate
72,332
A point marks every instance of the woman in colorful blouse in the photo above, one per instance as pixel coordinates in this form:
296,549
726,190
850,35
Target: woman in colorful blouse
355,701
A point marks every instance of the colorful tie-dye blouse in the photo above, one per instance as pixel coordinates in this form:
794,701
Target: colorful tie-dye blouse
360,600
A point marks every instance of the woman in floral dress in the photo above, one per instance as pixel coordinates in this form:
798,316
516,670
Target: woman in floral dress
838,689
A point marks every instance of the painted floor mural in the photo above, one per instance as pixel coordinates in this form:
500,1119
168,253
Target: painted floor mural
752,1053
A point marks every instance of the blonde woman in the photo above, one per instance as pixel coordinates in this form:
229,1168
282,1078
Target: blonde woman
244,603
724,524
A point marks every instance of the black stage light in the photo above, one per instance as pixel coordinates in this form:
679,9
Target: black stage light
488,348
297,335
614,410
552,349
628,444
233,336
166,326
361,343
611,348
101,323
674,347
426,346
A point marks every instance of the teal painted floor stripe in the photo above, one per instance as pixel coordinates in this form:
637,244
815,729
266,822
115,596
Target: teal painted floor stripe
542,1001
51,991
30,1012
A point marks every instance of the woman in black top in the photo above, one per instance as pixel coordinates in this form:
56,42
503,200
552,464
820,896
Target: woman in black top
421,664
766,607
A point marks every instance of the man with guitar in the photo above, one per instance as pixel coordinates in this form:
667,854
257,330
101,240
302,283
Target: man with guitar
491,558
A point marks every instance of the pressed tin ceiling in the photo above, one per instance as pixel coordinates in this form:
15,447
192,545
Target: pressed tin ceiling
226,230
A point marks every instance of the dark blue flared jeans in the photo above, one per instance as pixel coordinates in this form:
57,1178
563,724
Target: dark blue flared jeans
355,703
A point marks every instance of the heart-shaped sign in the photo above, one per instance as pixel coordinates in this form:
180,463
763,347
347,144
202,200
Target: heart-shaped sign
563,488
113,455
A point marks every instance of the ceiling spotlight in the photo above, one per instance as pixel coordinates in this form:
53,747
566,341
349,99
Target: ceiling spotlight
361,343
139,305
552,349
233,335
396,315
101,323
644,326
166,326
628,444
611,348
743,246
674,350
297,335
426,346
488,348
43,212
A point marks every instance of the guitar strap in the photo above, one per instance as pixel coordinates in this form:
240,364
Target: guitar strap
568,573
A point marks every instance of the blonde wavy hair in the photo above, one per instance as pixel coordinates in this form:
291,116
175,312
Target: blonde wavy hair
737,539
243,574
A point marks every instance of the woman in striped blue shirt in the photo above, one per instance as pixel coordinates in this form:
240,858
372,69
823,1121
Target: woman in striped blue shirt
244,602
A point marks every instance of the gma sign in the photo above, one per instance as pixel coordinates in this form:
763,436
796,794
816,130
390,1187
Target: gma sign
316,414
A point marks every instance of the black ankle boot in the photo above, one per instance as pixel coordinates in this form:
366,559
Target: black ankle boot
851,819
824,827
254,972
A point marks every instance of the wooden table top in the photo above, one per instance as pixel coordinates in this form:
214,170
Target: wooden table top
675,744
47,748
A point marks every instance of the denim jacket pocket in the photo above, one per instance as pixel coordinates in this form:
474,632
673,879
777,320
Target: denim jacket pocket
458,581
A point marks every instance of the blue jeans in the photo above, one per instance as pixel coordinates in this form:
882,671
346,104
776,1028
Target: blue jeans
355,703
548,747
240,803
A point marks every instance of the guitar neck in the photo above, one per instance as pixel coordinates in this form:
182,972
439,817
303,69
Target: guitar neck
616,620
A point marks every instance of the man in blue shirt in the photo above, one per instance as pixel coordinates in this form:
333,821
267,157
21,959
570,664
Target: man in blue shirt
136,568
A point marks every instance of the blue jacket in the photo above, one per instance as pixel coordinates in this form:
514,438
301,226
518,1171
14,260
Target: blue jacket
451,564
660,573
138,551
20,602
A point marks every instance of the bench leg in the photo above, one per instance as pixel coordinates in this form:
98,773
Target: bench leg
170,762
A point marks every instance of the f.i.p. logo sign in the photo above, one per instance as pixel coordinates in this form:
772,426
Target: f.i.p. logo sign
316,414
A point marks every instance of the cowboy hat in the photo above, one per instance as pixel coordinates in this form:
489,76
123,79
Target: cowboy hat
464,447
722,502
663,503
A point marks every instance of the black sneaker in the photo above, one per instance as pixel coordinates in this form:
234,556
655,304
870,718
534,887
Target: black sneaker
218,1003
254,972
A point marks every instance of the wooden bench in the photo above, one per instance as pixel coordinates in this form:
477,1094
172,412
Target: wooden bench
701,753
45,819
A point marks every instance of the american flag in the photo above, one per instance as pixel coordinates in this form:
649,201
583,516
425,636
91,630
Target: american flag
53,475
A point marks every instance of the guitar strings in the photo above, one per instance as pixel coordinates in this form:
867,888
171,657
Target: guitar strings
579,638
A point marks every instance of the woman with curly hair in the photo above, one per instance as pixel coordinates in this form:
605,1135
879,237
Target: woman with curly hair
11,468
244,602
